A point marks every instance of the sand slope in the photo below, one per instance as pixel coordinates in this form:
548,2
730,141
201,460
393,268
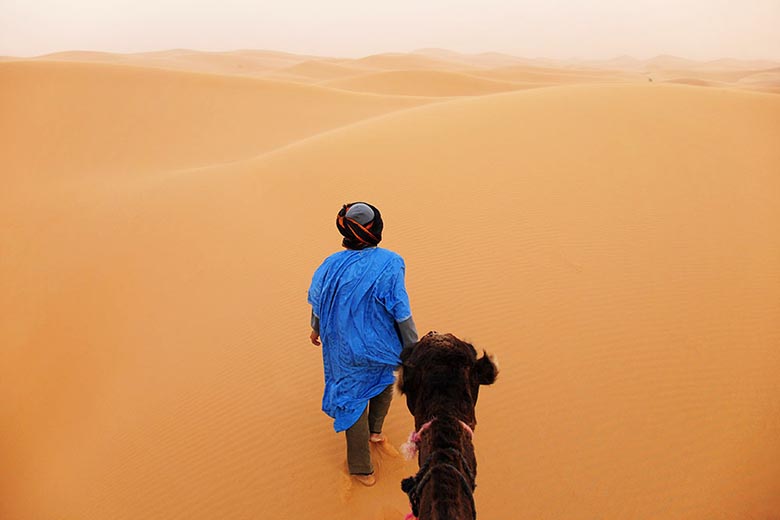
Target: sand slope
424,83
107,119
481,60
616,246
240,62
548,76
321,70
769,78
400,61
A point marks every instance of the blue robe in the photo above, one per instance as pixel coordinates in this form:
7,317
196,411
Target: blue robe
358,297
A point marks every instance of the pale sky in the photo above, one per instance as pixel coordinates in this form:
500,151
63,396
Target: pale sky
697,29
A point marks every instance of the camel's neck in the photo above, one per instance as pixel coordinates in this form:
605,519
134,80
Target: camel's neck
460,411
447,460
448,431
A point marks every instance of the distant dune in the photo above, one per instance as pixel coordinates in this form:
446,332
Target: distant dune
769,78
235,62
730,63
481,60
732,76
311,68
691,81
741,78
666,61
404,62
105,57
321,70
548,76
615,242
244,62
105,119
424,83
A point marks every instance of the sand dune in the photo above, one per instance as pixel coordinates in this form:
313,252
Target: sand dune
241,62
482,60
617,246
321,70
308,68
399,61
234,62
719,75
654,64
549,76
104,57
696,82
424,83
105,119
730,63
736,78
666,61
769,77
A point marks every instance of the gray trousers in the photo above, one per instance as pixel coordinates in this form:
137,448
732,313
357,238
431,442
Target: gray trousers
358,453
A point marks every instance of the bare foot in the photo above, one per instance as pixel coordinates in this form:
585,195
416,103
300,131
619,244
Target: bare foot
377,437
366,480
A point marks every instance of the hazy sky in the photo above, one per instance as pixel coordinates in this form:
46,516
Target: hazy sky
699,29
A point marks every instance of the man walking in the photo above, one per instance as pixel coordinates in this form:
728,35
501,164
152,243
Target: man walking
361,315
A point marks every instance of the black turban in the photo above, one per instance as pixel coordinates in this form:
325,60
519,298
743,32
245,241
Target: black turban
360,224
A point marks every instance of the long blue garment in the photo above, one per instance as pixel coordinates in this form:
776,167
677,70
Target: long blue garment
358,297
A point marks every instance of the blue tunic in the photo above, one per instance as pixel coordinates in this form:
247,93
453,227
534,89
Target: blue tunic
358,297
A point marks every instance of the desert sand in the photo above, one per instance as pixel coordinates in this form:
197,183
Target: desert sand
614,241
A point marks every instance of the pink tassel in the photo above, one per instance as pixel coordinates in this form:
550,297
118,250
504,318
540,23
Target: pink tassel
410,447
409,450
467,428
410,516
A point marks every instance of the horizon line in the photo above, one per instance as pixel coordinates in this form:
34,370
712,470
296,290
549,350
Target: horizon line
418,51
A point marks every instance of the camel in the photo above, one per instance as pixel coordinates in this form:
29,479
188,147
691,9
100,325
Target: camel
440,376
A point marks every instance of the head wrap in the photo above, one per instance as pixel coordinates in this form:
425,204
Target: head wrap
360,224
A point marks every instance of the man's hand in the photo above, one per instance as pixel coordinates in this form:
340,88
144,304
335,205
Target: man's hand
315,338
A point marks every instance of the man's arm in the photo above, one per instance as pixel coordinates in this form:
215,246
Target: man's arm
407,331
315,330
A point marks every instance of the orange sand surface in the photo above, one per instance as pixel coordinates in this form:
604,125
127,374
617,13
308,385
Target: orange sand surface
614,241
424,83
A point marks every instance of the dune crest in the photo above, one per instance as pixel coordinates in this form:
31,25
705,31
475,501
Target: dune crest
102,119
424,83
241,62
321,70
401,61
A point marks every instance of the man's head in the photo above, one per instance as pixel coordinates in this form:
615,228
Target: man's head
360,224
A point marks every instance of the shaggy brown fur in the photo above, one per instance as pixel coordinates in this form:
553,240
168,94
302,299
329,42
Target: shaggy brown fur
440,376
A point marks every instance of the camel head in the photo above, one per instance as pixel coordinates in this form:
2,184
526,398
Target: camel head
441,374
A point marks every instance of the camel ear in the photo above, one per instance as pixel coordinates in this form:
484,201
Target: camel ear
406,352
404,367
486,369
399,380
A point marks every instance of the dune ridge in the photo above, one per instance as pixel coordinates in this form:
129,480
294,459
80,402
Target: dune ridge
402,61
134,119
424,83
303,68
321,70
240,62
615,245
547,76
